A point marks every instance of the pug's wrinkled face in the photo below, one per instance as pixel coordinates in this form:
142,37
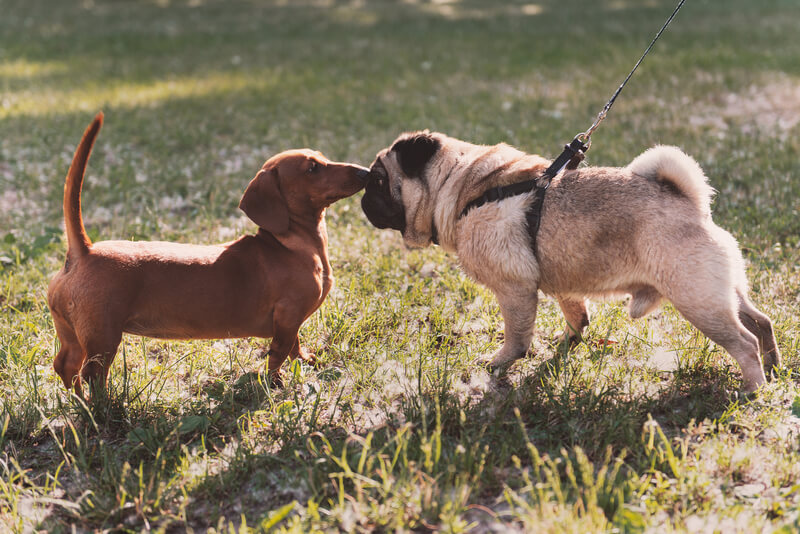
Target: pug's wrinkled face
396,182
382,202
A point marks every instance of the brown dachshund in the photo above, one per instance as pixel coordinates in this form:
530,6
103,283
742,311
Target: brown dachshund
263,285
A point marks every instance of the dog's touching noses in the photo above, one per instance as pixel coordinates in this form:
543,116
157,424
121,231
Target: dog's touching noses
363,174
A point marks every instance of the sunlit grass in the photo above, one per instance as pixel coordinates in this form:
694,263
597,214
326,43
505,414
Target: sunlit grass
43,101
400,428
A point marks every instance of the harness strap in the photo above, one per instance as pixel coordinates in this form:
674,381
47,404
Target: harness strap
570,158
572,155
534,216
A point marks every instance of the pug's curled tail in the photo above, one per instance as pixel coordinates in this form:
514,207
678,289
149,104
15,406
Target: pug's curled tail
78,242
671,165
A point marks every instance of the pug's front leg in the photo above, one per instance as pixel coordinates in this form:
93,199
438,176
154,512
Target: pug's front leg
519,315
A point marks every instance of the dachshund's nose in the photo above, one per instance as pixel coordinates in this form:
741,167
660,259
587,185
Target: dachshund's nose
362,173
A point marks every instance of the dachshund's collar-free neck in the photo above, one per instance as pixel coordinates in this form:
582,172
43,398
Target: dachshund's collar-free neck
305,237
266,236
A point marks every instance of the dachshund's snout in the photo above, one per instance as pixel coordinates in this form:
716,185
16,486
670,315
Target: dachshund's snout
362,174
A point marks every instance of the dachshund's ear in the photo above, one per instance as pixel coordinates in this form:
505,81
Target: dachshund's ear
264,204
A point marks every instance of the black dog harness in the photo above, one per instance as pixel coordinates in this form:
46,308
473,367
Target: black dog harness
572,155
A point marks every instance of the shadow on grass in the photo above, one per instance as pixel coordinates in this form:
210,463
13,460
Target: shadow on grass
476,439
263,448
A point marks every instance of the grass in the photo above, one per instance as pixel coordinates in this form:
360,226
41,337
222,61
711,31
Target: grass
400,430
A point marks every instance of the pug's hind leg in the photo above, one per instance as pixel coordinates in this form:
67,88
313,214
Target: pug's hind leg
519,315
643,301
761,327
577,318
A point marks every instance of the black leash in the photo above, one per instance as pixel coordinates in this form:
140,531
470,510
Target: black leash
602,115
570,158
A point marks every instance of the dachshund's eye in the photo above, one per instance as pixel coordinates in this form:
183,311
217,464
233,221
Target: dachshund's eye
379,182
313,167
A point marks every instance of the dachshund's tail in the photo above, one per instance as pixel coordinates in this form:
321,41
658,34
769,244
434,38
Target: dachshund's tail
78,242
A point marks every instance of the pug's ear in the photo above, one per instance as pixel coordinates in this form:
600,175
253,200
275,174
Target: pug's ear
414,150
264,204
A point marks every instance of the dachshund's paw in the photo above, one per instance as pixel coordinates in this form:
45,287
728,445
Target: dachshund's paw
306,357
275,379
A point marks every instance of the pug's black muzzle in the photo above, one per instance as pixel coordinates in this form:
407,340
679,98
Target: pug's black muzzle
377,203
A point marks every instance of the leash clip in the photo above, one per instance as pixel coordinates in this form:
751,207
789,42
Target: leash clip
586,137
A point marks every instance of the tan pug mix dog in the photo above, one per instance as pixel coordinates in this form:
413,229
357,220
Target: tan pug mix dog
643,230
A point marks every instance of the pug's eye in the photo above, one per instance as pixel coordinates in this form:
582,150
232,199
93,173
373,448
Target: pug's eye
313,167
